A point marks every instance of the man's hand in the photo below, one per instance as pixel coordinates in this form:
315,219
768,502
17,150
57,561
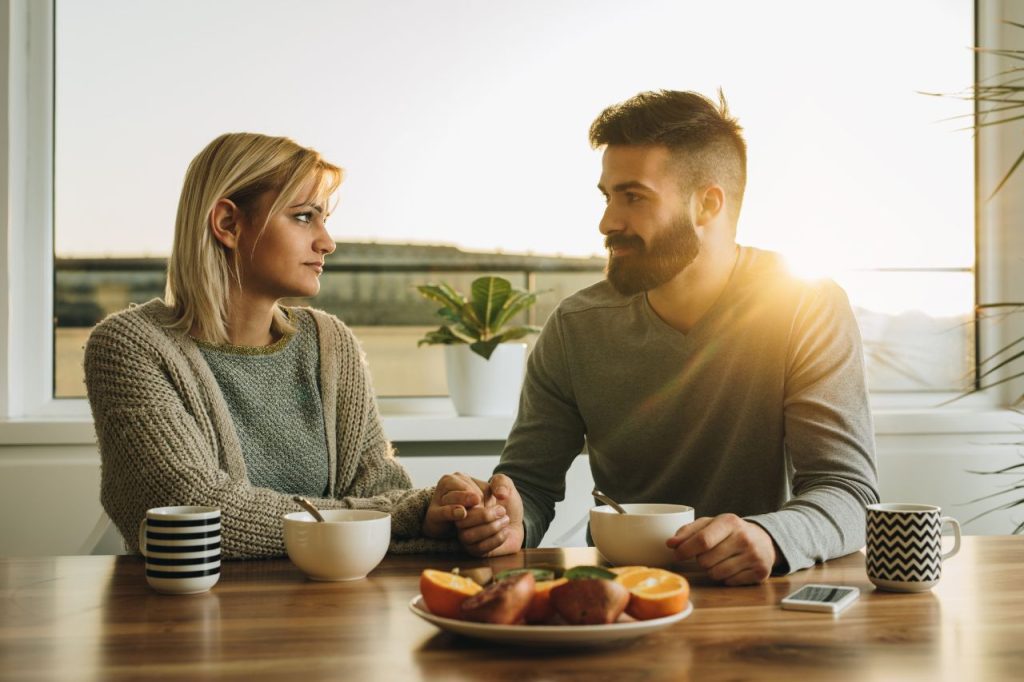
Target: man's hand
729,549
453,495
496,526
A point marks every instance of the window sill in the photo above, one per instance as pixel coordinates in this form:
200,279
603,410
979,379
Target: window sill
434,420
405,420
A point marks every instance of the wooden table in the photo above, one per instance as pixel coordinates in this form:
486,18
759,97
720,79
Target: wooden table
94,618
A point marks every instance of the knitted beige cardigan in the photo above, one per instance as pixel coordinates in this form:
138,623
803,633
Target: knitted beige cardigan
166,437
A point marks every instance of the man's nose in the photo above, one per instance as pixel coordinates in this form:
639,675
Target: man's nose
610,222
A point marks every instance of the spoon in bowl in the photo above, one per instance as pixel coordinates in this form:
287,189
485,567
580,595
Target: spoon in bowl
309,506
609,501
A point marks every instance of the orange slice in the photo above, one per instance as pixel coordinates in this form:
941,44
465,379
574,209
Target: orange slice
443,592
540,609
654,592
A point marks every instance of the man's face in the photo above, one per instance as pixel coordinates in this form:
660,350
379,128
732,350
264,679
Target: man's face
648,231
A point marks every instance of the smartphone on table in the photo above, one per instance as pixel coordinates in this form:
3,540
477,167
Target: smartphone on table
825,598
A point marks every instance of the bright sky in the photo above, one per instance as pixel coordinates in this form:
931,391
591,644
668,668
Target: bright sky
465,122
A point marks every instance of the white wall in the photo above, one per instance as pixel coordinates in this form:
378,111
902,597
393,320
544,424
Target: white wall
49,495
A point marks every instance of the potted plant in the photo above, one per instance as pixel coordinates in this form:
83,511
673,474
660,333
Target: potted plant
484,369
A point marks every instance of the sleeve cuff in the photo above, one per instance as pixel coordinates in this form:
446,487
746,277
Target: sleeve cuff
783,564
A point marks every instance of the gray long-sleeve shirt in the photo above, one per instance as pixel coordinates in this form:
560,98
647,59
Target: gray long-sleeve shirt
760,410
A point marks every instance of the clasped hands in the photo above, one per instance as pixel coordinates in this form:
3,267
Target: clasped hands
485,516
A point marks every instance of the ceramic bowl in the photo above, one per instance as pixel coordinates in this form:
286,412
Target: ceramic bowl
348,545
637,538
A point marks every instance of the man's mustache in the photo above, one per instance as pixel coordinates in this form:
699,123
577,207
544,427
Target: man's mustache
615,241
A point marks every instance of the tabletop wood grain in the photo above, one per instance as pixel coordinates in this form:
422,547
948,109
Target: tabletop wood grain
94,618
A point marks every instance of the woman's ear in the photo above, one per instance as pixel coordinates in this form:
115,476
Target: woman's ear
225,223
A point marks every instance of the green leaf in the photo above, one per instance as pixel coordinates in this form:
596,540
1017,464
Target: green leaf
443,294
488,296
441,335
513,333
479,321
516,303
471,321
485,348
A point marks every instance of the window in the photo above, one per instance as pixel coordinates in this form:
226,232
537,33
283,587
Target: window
462,127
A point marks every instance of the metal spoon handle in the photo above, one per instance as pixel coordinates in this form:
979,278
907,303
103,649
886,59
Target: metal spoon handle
609,501
308,506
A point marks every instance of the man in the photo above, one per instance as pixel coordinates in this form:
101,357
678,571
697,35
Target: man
699,372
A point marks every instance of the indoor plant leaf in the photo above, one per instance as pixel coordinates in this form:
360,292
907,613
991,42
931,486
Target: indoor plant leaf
479,321
488,297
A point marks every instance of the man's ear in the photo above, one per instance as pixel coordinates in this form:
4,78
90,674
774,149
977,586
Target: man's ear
225,222
710,204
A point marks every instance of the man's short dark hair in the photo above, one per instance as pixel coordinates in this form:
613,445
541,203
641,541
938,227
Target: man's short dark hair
704,139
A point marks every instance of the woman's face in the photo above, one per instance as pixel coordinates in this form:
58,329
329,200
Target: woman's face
287,258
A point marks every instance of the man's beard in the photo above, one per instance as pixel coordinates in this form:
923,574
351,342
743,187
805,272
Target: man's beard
648,266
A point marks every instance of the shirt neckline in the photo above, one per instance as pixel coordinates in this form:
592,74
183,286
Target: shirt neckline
270,349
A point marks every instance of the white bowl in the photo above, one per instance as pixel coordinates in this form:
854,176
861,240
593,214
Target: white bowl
346,546
637,538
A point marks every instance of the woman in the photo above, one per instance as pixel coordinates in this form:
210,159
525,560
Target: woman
220,396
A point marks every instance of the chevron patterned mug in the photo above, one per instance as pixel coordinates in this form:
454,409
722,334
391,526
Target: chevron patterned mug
904,548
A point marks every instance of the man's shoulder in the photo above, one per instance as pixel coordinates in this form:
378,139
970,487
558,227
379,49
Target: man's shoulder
599,296
769,274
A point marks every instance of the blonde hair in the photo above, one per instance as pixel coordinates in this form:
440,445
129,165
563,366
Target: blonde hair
240,167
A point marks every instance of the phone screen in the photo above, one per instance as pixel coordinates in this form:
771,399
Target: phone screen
820,593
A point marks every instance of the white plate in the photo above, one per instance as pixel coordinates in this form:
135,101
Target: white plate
549,635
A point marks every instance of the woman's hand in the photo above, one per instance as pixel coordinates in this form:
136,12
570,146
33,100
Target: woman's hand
496,526
453,496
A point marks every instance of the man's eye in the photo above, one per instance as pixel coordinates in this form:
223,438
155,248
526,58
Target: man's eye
631,197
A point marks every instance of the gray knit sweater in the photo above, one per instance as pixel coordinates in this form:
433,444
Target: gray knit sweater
760,410
273,394
166,437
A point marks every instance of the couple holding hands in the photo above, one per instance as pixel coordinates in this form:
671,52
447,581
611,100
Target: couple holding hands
700,372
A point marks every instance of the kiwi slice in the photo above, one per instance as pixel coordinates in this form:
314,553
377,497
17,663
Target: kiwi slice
589,572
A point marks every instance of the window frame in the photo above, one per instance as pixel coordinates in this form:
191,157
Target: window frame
27,253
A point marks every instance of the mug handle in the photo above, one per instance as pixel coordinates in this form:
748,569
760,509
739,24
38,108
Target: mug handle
956,535
141,538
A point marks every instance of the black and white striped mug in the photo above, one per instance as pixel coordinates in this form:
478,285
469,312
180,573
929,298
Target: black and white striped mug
181,546
904,545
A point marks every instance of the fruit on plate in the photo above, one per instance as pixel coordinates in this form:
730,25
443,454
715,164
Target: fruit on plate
481,575
444,592
503,602
540,609
539,573
589,601
577,572
622,570
654,592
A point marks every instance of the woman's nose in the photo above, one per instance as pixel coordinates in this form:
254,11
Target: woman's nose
325,244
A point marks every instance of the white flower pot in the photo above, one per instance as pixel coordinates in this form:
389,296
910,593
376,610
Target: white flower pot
481,387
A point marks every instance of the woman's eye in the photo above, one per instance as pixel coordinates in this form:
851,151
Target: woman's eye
304,217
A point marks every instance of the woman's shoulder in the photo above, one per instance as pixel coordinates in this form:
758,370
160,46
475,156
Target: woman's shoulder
326,323
133,324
